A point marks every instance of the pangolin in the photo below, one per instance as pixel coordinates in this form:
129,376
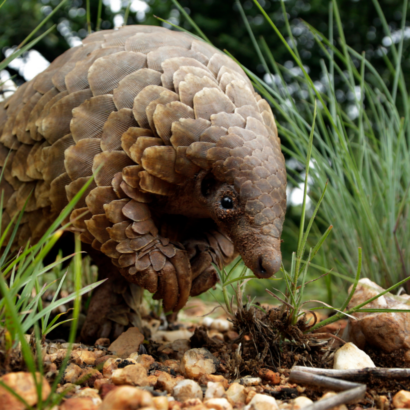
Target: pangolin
190,169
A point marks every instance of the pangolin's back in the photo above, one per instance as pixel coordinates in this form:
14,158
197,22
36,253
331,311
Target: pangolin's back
152,106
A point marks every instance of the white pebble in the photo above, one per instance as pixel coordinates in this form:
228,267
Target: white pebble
350,357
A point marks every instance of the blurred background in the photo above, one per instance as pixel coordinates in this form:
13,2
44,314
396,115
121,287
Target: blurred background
223,24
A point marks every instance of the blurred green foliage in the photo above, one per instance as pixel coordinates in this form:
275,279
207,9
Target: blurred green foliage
220,20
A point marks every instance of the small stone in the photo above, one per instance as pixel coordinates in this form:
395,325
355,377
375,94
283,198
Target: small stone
129,342
24,385
250,394
134,375
102,341
173,364
99,363
236,393
160,403
192,404
218,404
82,356
180,346
126,398
78,403
171,336
89,393
72,373
145,360
166,382
99,382
133,356
231,335
68,389
109,366
214,390
251,381
262,402
215,334
215,378
221,325
89,376
269,376
301,402
106,388
401,400
207,321
187,389
197,362
350,357
331,394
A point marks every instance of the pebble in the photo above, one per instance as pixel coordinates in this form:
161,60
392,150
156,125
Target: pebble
197,362
173,364
218,404
89,393
126,398
99,382
214,390
166,382
129,342
187,389
269,376
23,384
251,381
171,336
301,402
236,393
72,373
401,400
88,377
350,357
331,394
145,360
216,378
262,402
160,403
221,325
78,403
134,375
83,356
103,341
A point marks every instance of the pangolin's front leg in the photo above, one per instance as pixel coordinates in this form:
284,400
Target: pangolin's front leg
114,305
204,250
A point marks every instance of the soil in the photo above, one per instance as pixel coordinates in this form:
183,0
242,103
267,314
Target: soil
257,340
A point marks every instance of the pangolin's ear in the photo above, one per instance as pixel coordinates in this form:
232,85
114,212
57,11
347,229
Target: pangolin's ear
206,185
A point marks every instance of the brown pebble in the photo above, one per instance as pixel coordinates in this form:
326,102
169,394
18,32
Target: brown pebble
269,376
106,388
78,403
103,341
89,376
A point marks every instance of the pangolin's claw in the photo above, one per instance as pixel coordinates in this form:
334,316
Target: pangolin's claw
169,284
183,272
206,280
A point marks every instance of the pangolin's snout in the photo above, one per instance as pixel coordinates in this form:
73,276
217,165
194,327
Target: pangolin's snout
267,264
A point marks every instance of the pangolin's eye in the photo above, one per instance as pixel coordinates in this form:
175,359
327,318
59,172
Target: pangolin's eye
227,202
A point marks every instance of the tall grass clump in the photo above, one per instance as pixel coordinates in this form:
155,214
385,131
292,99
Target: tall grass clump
360,150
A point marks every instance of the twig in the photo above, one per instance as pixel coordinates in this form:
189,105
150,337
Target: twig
298,376
357,374
320,335
351,391
347,396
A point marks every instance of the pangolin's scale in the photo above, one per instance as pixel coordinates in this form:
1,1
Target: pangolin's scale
152,106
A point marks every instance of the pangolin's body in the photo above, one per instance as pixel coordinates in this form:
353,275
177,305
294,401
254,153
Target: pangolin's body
189,154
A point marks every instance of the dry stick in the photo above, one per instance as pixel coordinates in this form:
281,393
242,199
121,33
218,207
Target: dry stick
356,374
339,399
297,376
352,391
